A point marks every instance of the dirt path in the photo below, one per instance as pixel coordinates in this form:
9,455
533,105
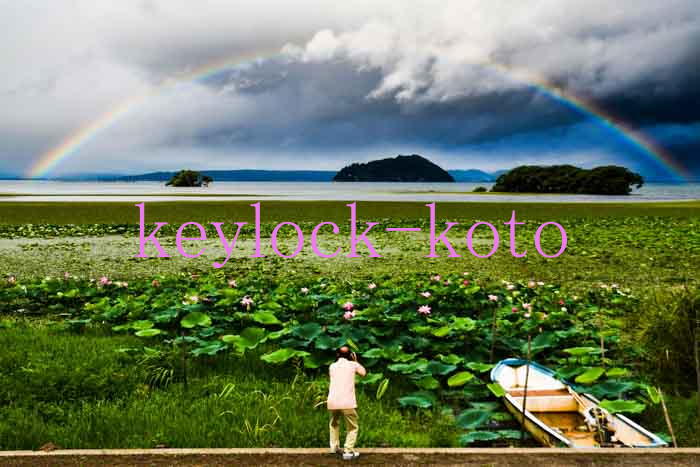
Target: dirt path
470,457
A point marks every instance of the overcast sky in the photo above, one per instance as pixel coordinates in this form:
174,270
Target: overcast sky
337,82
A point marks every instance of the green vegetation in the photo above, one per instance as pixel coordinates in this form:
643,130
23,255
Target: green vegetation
606,180
189,178
431,336
94,389
219,211
100,363
480,189
413,168
668,327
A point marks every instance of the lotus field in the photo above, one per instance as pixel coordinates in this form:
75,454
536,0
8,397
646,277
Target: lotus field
435,337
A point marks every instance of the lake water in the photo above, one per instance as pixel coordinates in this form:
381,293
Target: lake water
30,190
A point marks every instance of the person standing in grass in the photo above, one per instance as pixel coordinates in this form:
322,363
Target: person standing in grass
342,403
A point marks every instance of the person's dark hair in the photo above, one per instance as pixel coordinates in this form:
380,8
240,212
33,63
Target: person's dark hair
344,352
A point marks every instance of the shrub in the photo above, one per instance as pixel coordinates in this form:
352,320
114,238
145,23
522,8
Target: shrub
683,413
666,330
607,180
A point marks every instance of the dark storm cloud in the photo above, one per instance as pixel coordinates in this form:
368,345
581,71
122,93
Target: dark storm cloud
327,105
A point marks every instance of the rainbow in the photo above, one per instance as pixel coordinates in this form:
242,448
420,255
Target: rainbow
605,119
73,142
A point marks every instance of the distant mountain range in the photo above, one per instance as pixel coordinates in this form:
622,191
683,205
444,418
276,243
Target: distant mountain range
470,175
239,176
460,175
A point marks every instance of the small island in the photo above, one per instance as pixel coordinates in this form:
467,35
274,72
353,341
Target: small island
413,168
189,178
606,180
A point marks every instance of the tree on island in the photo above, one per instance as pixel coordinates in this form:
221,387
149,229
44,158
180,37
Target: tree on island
189,178
606,180
413,168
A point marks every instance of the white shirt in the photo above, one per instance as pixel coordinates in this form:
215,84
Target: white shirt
341,393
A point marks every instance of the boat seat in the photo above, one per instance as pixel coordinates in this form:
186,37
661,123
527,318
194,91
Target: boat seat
534,392
558,403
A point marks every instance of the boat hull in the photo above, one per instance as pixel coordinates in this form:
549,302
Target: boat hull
542,434
555,414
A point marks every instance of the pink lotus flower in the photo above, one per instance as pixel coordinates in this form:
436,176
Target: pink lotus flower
349,315
527,306
304,290
510,287
435,278
561,302
232,283
66,275
424,310
447,282
371,286
426,294
12,280
247,302
514,309
104,281
348,306
155,283
527,315
465,282
531,284
493,298
123,285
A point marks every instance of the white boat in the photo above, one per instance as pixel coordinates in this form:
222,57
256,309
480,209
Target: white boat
557,416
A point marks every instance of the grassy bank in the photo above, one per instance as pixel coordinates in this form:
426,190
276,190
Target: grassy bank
336,211
91,390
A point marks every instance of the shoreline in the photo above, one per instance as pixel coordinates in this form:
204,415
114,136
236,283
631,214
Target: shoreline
485,198
125,212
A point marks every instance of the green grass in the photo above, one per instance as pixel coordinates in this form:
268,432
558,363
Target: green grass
299,211
84,391
645,245
642,252
683,411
